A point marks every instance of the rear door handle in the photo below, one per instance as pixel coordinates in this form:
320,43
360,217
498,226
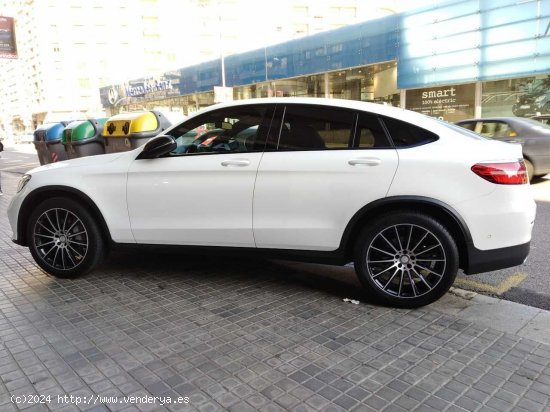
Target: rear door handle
236,163
365,161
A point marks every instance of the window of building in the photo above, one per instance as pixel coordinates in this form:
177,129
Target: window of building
524,97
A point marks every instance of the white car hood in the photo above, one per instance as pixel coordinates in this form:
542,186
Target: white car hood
83,161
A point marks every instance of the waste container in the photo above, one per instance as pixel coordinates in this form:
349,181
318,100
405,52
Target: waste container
47,142
83,138
128,131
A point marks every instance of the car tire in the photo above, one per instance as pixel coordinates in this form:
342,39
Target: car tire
406,259
530,168
64,238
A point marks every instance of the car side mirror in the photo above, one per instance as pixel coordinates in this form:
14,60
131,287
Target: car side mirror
158,146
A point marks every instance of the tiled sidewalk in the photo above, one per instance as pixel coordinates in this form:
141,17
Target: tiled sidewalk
240,335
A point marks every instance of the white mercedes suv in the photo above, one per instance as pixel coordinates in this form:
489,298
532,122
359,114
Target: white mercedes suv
407,198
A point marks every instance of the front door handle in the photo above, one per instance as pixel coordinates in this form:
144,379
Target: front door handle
365,161
236,163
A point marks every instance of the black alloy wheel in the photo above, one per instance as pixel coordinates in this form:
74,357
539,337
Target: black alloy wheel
63,238
406,259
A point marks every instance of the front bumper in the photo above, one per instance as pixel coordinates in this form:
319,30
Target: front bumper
480,261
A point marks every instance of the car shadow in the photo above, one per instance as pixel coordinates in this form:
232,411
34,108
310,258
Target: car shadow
164,267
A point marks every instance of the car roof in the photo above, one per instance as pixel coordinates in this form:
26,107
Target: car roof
521,124
493,119
377,108
322,101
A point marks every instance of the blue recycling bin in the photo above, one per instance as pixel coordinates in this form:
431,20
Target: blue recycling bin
47,142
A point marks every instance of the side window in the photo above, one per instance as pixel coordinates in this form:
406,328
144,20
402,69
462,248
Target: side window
313,128
405,134
497,130
369,133
468,125
237,129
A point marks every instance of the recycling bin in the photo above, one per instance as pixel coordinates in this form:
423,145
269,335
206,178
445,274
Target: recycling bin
128,131
83,138
47,142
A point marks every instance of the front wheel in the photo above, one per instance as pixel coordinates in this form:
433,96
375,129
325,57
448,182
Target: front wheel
64,239
406,259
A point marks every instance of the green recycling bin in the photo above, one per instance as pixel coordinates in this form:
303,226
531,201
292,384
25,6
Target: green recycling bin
47,142
83,138
128,131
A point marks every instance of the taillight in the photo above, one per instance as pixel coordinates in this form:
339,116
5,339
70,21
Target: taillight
512,173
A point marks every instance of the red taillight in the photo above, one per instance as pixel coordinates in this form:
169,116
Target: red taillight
513,173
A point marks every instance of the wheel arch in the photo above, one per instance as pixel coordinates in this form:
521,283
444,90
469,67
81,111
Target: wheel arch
444,213
37,196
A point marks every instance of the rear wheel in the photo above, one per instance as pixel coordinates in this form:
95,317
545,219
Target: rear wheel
406,259
64,238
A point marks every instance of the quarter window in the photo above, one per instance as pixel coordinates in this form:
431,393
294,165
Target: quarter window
405,134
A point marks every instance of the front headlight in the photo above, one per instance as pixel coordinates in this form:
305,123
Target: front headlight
23,182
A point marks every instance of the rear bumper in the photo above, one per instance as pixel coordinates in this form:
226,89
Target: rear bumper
480,261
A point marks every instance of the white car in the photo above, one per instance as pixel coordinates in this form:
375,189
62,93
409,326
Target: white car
407,198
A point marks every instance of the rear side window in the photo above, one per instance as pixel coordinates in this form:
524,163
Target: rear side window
468,125
405,134
495,129
370,134
315,128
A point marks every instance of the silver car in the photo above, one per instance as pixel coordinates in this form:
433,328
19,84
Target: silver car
534,137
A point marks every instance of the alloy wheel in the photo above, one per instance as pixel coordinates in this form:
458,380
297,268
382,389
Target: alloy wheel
406,260
61,239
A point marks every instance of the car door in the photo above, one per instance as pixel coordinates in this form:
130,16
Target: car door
201,193
321,165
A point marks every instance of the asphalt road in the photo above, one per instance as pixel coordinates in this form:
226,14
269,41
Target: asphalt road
528,283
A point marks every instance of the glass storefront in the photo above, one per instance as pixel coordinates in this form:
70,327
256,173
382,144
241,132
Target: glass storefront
373,83
525,97
312,86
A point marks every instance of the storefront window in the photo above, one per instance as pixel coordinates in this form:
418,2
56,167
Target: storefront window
375,83
525,97
312,86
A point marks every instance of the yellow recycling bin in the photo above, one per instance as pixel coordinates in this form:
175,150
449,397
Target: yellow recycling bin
128,131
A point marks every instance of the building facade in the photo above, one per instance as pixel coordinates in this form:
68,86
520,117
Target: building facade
68,50
450,59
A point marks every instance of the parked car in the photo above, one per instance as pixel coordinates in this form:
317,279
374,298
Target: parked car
407,198
533,136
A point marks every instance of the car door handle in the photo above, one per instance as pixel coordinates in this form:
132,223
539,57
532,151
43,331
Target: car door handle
236,163
365,161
